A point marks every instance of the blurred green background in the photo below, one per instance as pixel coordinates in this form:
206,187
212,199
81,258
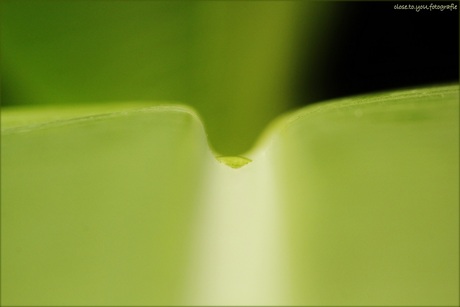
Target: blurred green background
230,60
238,63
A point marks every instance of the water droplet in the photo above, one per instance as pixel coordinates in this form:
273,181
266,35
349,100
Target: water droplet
234,161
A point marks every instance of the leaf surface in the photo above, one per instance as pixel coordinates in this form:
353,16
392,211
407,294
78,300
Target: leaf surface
349,202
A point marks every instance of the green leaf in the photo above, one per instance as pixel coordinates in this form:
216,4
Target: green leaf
97,210
349,202
370,188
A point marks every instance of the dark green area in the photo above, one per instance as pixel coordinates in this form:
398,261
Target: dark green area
232,61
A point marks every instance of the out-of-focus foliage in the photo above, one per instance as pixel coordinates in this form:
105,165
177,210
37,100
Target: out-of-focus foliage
230,60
